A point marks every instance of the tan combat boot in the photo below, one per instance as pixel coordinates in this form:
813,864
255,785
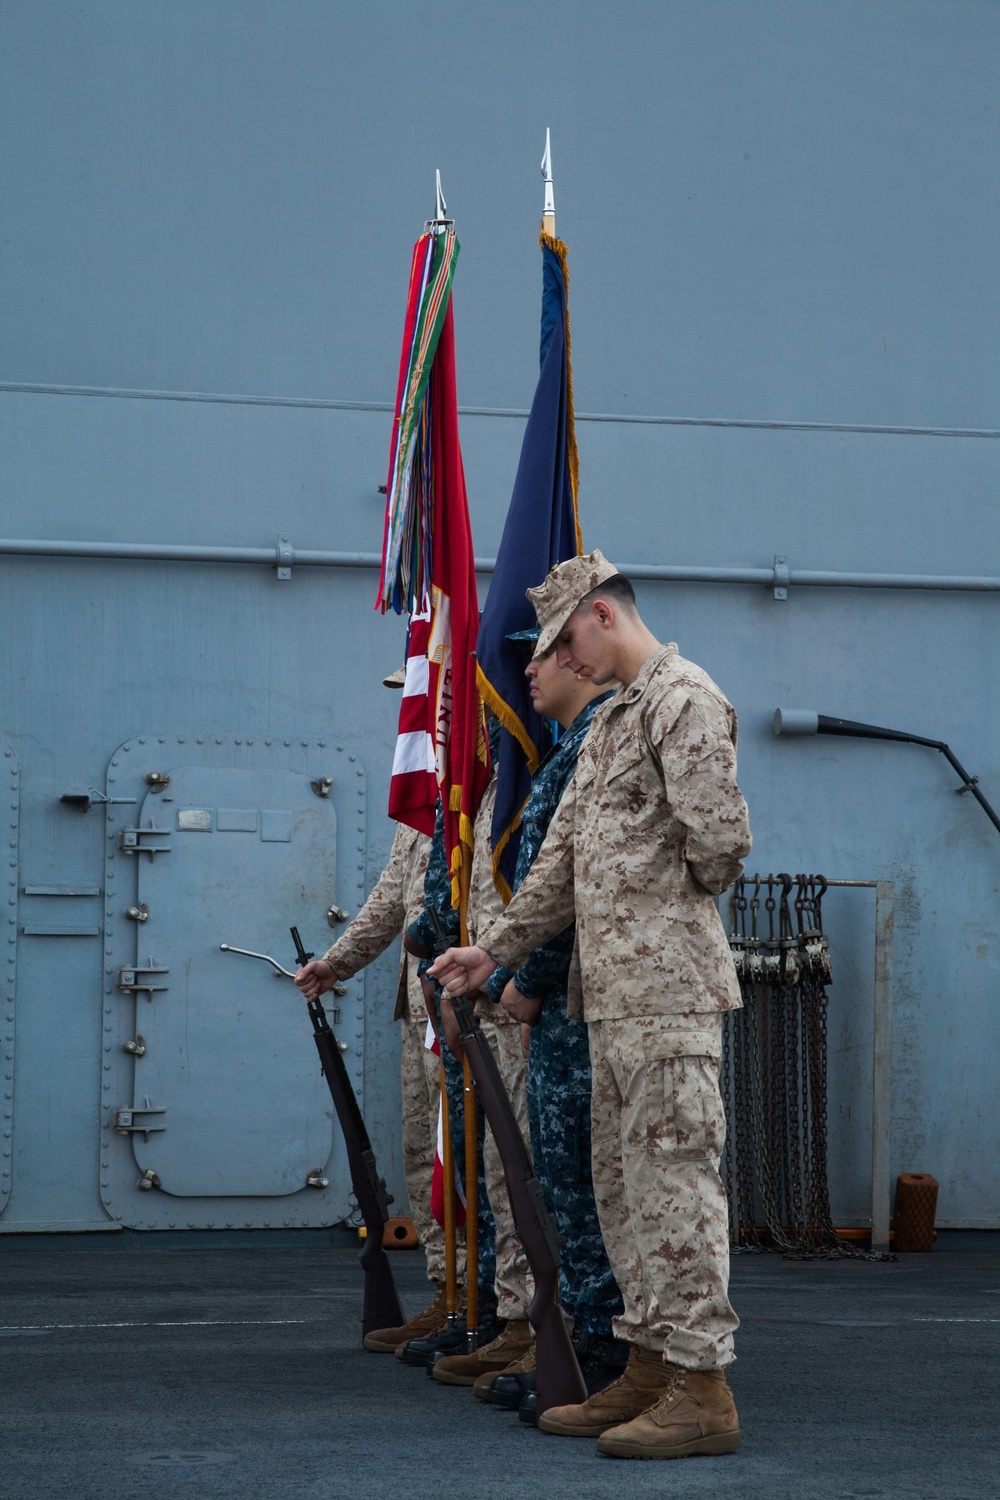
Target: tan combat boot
696,1415
387,1340
645,1380
465,1369
524,1365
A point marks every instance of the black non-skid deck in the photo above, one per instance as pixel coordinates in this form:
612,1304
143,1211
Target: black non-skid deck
239,1372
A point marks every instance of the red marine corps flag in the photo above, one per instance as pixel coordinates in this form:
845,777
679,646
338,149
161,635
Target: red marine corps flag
428,568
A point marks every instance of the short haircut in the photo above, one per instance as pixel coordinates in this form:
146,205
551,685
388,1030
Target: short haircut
617,589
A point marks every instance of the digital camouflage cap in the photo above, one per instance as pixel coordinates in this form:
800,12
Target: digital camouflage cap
556,598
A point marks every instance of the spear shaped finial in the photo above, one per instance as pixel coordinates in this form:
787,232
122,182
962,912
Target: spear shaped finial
440,221
549,211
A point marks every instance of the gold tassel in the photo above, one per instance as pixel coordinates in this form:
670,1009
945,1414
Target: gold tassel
501,709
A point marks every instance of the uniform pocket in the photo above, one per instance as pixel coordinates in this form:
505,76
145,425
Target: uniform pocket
684,1115
628,756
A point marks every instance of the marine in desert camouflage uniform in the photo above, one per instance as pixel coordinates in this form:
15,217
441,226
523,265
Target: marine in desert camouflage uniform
651,828
559,1076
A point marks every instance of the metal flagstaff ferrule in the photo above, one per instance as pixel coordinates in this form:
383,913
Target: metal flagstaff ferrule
549,211
440,220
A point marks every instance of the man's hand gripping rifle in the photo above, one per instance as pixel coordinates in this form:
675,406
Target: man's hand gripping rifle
381,1307
559,1379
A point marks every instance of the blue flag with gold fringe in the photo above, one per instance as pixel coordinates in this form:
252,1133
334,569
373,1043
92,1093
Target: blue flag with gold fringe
542,529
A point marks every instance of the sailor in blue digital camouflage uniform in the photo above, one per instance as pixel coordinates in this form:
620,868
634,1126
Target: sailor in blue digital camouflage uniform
559,1076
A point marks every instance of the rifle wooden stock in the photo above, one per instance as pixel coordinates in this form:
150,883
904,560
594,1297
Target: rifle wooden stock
558,1376
381,1305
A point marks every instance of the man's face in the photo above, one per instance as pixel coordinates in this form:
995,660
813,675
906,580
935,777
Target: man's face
583,644
551,686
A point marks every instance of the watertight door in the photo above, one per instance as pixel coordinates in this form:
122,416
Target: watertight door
226,1118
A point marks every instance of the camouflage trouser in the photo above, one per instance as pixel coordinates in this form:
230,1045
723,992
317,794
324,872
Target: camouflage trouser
420,1071
512,1278
658,1131
559,1114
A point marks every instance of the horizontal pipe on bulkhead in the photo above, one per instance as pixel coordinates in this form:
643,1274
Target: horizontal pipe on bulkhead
646,572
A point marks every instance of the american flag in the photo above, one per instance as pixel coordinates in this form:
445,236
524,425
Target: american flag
413,789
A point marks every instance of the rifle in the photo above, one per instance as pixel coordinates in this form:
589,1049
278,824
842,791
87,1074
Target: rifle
381,1307
559,1380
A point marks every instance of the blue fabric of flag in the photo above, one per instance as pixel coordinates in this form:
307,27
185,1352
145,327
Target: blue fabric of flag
541,530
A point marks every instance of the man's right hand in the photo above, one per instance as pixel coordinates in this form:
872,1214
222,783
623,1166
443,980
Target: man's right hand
461,970
315,978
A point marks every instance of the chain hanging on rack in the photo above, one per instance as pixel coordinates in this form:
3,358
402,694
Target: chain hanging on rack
774,1073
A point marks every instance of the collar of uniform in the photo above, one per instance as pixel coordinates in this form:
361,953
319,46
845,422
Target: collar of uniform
585,715
645,674
571,736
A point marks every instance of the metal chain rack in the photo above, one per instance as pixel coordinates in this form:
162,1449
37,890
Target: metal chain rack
774,1072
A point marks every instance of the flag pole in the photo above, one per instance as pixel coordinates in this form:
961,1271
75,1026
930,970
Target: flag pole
549,211
470,1097
450,1230
471,1100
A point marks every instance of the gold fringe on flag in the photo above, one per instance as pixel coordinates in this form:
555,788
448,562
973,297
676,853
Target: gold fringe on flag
501,709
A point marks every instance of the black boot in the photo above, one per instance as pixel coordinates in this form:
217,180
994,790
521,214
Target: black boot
448,1340
527,1412
452,1340
509,1391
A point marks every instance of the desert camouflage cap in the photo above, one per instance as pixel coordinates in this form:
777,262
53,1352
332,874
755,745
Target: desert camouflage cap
395,679
568,583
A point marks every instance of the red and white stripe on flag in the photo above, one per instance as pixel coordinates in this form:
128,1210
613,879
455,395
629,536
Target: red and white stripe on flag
432,1044
413,788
